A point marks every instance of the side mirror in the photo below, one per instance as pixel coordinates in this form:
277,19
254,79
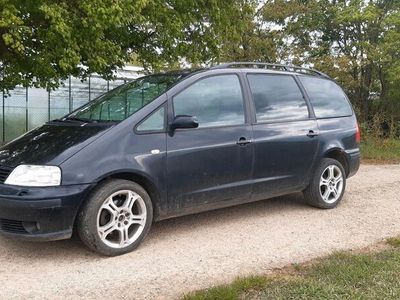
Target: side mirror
183,121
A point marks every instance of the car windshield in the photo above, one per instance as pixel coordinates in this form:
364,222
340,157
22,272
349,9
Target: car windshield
120,103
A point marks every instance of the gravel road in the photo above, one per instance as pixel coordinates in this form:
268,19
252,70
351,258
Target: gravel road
193,252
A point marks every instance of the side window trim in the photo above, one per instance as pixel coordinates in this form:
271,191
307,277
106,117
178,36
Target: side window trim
247,119
311,115
164,130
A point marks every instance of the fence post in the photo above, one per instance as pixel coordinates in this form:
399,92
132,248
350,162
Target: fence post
26,109
3,113
90,95
70,104
4,119
48,107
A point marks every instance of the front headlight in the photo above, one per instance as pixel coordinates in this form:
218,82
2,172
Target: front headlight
30,175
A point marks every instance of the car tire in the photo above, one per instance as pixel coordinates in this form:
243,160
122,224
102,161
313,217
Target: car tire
116,217
327,185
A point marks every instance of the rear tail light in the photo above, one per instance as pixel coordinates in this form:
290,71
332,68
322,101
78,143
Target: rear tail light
358,134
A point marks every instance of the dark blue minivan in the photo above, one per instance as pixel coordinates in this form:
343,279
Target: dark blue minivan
178,143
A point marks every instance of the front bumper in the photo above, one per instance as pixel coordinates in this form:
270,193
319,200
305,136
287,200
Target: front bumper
40,213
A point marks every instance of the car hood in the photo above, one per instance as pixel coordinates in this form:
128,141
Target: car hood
50,144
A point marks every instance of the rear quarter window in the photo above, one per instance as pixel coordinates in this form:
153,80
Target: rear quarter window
277,98
327,98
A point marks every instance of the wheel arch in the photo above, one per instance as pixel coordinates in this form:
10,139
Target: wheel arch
143,181
340,155
136,177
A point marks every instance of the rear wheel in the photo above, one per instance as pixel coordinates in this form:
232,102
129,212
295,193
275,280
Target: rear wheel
327,185
116,218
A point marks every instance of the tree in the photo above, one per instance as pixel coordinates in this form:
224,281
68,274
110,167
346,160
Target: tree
254,43
356,41
44,41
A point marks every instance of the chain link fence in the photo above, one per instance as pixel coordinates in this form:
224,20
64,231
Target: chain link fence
26,108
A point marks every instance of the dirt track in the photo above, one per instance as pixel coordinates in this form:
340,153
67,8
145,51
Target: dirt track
197,251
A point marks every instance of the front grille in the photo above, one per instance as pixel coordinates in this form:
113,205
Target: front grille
4,172
12,226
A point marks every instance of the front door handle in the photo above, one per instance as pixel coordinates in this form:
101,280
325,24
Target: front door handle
312,133
243,141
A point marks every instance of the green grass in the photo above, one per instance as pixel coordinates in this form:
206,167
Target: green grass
341,275
231,291
380,150
394,242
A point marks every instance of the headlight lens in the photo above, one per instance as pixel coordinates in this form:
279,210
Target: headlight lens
30,175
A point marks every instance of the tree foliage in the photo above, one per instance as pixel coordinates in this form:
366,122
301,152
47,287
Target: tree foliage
43,41
355,41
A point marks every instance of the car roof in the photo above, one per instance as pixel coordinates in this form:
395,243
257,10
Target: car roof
253,67
270,68
250,67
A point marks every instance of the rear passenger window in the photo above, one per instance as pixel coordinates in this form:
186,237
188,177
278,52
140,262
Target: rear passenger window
327,98
277,97
215,101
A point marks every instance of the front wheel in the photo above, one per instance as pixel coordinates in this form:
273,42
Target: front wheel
327,186
116,218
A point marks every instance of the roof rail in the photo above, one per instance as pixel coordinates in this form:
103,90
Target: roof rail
288,68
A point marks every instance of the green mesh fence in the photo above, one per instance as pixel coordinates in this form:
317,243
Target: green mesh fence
26,108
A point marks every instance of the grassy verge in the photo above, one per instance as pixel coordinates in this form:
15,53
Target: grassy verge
380,150
343,275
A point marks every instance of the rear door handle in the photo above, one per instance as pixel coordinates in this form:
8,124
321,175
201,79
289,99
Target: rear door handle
243,141
312,133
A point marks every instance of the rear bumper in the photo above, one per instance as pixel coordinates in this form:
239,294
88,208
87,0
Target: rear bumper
41,214
353,158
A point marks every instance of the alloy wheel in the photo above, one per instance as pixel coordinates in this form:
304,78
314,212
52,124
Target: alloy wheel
121,219
331,184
